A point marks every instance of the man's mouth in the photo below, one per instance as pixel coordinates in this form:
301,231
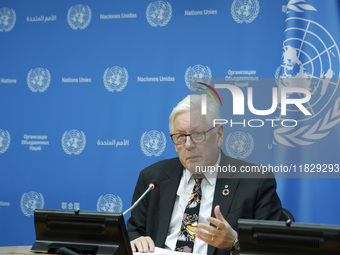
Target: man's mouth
192,158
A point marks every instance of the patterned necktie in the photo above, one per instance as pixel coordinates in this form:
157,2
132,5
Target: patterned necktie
186,237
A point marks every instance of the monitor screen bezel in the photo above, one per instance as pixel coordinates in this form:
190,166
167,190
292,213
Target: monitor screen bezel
280,237
88,232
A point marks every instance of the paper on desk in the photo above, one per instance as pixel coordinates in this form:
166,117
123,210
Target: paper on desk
160,251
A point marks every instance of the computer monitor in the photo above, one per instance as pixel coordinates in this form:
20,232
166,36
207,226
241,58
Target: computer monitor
279,237
99,233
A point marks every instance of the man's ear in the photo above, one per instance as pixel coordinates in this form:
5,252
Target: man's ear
220,132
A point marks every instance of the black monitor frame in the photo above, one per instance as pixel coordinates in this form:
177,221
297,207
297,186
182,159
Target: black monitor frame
83,232
279,237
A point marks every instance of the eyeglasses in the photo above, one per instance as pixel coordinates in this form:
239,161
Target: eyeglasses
196,137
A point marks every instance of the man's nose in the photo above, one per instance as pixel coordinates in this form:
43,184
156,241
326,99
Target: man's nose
188,142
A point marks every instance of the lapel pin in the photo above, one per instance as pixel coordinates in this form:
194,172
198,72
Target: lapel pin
225,192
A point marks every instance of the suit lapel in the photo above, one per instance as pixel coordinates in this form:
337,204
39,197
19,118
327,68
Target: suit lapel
168,192
224,201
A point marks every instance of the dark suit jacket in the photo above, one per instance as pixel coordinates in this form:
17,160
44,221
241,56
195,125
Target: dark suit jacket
253,198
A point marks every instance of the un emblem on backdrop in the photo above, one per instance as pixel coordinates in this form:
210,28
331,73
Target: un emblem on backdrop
73,142
153,143
38,79
199,73
239,145
314,70
310,60
31,201
7,19
245,10
159,13
5,140
79,16
115,78
109,203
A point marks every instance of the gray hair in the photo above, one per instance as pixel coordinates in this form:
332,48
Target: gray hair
194,102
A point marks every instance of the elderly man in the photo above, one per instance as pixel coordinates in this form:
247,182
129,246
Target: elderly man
191,209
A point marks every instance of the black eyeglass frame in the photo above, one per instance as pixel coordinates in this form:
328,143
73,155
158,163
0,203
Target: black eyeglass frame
186,135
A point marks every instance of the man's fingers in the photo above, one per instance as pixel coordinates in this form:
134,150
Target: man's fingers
139,246
134,245
218,213
218,223
210,229
219,234
151,244
145,245
204,236
142,244
133,248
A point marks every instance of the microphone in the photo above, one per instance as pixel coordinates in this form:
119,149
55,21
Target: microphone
151,187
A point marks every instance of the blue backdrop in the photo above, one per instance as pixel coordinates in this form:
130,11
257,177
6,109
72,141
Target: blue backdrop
86,89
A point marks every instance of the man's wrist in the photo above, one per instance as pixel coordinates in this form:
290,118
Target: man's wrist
236,245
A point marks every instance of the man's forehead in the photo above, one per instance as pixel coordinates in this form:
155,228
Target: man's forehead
192,119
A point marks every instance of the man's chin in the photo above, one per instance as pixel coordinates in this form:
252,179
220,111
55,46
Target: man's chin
201,168
196,169
195,165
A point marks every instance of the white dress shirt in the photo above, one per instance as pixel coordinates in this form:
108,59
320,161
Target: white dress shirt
183,194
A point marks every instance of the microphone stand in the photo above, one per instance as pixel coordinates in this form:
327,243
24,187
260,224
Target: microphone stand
151,186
